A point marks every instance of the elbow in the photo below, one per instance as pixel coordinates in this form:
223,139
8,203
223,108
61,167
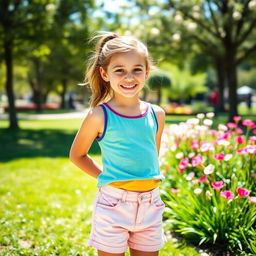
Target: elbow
74,158
71,156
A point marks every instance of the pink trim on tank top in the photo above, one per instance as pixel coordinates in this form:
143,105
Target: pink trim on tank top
141,115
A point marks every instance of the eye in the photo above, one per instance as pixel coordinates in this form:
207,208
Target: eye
119,70
137,70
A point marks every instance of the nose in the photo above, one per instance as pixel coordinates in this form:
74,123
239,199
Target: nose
129,76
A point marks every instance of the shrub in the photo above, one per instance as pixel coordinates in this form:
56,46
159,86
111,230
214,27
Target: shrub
209,188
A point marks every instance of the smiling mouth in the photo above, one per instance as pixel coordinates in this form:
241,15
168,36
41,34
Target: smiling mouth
128,87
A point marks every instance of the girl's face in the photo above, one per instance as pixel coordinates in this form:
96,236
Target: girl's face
126,73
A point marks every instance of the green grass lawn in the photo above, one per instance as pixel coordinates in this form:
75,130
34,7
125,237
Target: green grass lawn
46,201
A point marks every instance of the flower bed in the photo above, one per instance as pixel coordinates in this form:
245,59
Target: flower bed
177,109
209,189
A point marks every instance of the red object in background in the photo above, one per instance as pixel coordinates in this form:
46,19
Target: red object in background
214,97
33,107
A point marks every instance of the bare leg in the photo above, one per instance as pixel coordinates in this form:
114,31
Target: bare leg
141,253
101,253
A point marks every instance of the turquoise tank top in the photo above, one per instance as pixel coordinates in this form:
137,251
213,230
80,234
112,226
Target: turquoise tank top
128,147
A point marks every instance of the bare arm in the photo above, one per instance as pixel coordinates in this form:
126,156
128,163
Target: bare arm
89,130
160,115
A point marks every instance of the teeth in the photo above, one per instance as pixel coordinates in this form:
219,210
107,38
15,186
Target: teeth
129,86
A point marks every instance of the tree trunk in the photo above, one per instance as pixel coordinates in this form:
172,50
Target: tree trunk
37,88
159,95
63,94
9,85
37,98
231,74
220,69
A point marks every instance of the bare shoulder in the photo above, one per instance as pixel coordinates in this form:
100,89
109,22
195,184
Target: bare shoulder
94,119
159,111
96,114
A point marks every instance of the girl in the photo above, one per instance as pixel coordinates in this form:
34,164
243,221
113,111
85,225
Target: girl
128,209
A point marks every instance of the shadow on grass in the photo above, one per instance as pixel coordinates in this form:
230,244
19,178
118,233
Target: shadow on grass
37,143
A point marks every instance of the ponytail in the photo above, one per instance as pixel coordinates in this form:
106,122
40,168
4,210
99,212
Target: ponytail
101,89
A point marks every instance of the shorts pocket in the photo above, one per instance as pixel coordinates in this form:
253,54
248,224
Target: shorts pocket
107,201
158,203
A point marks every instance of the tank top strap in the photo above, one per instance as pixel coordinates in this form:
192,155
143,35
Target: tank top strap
152,111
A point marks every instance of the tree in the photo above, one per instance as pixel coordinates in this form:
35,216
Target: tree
158,81
222,29
17,25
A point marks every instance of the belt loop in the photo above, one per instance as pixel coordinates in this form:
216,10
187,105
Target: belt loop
151,197
124,196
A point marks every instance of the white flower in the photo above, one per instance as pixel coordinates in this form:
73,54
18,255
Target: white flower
198,191
252,5
191,154
223,142
210,115
207,122
173,148
208,194
200,115
206,147
201,128
178,18
228,157
155,31
222,127
179,155
193,121
176,37
237,15
209,169
190,176
191,26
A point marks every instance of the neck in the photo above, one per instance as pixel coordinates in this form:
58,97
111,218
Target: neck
125,102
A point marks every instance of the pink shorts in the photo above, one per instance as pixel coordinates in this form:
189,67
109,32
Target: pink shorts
124,219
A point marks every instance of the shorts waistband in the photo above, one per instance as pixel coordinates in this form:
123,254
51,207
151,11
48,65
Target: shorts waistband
131,196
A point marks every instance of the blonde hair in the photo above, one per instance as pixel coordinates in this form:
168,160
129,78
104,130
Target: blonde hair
108,44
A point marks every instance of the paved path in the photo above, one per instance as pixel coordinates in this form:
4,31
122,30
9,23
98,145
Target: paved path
68,115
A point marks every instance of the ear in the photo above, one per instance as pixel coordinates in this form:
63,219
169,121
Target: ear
104,75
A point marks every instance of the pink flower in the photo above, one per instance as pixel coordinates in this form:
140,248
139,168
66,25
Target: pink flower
209,169
243,192
203,178
183,163
248,123
219,156
213,133
251,149
231,125
239,130
241,151
226,135
175,190
227,194
239,139
217,185
253,138
198,159
254,131
252,199
194,145
237,118
206,147
167,167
